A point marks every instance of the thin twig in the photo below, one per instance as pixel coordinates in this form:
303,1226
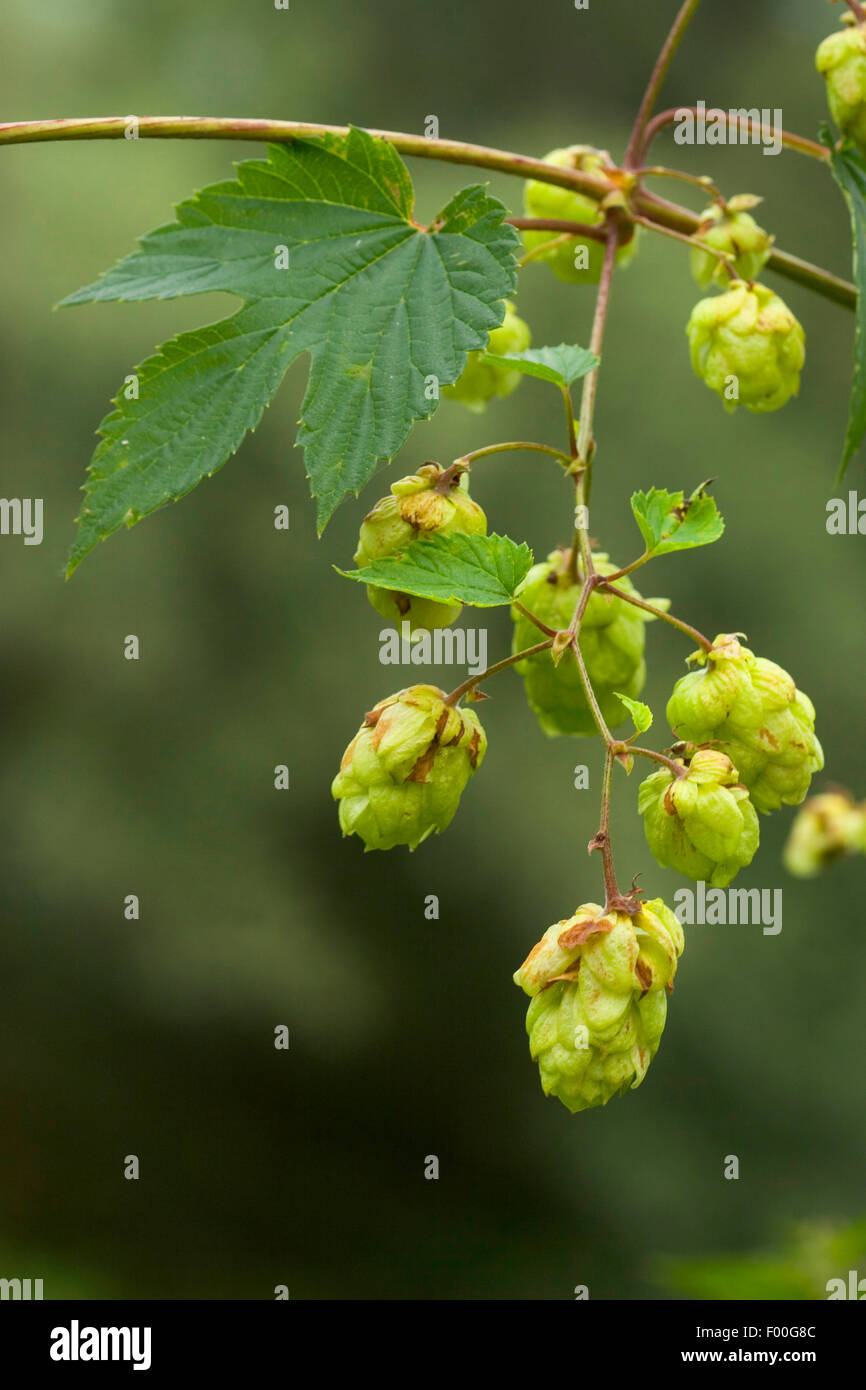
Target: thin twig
657,77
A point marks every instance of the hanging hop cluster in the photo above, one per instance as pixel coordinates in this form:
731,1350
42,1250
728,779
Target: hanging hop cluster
701,822
419,506
750,709
611,640
825,828
598,986
404,772
482,379
732,231
748,347
841,61
572,260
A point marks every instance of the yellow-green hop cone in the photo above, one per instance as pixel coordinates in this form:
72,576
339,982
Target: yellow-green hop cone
735,233
415,510
481,380
825,828
841,61
598,984
748,347
572,260
751,709
611,639
403,774
701,823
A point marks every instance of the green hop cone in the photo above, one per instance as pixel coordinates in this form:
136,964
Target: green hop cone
611,640
402,775
598,985
481,380
841,61
415,510
751,709
572,260
825,828
748,347
735,233
701,823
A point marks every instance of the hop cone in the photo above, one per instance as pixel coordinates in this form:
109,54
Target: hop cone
598,986
482,380
841,60
736,234
547,200
824,829
751,709
748,333
611,640
402,775
702,823
415,510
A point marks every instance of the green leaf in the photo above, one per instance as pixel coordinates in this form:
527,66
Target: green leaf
379,303
484,571
668,521
849,171
562,365
640,713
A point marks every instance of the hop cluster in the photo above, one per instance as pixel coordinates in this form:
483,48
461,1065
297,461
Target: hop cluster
825,828
732,231
841,61
403,774
701,822
750,709
548,200
417,508
598,984
611,640
748,347
481,379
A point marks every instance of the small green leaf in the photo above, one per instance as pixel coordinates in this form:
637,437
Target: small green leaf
484,571
849,171
640,713
668,521
562,365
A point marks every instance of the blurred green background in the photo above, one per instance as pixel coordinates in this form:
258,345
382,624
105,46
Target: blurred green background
155,777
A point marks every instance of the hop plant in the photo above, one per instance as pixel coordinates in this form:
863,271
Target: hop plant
402,775
598,983
547,200
751,709
701,822
825,828
611,640
732,231
419,506
841,61
749,334
481,379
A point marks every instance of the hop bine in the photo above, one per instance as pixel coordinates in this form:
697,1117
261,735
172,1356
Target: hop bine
735,234
598,985
547,200
702,822
611,641
402,776
750,709
419,506
747,341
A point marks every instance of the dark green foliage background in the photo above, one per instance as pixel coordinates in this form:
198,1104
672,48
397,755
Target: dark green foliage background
155,1038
